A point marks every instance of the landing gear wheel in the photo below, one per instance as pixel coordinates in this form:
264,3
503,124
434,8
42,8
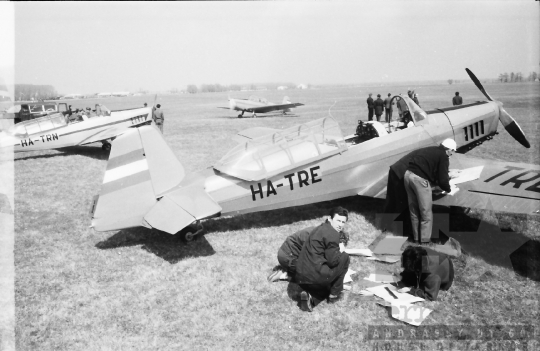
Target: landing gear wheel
187,235
106,147
239,116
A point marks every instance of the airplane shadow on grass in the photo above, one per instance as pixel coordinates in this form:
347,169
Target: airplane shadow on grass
88,151
168,247
490,242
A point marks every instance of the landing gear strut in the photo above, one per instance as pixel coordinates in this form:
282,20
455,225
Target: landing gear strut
190,233
241,115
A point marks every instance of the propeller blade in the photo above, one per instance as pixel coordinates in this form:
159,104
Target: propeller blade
478,84
507,121
513,128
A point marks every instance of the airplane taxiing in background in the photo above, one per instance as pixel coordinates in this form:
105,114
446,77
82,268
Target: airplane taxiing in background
259,105
145,184
59,129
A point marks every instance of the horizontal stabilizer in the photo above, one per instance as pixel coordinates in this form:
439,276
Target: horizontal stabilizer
181,207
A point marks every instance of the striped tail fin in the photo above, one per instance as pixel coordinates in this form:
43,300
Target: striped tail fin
141,168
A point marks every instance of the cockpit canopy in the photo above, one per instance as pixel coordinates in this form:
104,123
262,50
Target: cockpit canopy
276,152
258,99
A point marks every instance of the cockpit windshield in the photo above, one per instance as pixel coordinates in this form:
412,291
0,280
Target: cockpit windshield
39,125
417,114
271,154
258,99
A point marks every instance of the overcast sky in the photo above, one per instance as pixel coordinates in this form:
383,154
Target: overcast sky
98,47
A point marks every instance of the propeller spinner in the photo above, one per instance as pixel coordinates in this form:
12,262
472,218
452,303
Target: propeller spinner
507,121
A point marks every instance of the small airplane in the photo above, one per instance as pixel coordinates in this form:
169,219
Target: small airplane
63,129
145,185
259,105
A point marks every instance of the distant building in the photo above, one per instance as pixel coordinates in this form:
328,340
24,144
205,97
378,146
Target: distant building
282,87
301,86
72,96
103,95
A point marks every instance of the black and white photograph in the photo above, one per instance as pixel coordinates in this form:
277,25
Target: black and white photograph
270,175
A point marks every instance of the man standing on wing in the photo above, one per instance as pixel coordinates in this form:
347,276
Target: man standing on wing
322,263
425,167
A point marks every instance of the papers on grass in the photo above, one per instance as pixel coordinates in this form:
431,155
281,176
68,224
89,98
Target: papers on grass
348,277
387,259
381,292
390,245
409,313
382,277
359,252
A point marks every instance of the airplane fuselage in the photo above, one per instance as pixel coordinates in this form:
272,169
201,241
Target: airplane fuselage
352,171
54,133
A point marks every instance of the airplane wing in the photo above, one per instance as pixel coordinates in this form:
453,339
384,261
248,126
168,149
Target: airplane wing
502,186
270,108
105,135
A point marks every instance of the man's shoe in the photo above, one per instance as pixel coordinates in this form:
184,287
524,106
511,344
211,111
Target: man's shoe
274,276
305,302
334,298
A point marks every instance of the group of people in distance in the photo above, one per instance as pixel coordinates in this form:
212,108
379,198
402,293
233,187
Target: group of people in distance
379,105
315,257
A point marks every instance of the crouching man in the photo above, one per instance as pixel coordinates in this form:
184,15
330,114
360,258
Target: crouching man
322,263
425,272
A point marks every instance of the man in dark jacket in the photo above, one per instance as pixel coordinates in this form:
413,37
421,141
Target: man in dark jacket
426,166
370,107
457,100
388,108
322,263
379,107
425,272
288,255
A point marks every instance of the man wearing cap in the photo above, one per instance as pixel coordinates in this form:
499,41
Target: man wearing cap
159,119
379,107
425,167
370,107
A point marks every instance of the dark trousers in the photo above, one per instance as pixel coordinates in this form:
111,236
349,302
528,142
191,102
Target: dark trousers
397,203
379,118
370,114
320,292
388,115
287,261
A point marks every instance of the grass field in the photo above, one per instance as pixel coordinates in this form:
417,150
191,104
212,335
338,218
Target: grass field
138,289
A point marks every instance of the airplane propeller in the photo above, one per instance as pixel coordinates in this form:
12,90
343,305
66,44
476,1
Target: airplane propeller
507,121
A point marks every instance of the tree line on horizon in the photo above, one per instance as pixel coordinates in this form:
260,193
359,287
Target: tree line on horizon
36,92
214,88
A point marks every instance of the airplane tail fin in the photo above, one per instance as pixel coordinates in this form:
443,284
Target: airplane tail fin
141,167
146,185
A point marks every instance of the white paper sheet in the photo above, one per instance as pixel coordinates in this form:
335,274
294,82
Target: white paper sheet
381,292
381,277
359,252
467,174
388,259
348,277
409,313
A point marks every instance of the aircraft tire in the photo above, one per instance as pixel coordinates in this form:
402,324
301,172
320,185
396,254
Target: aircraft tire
187,235
106,147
